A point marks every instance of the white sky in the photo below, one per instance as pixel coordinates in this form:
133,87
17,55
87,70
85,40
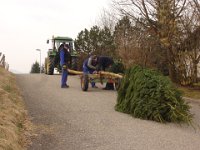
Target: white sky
25,25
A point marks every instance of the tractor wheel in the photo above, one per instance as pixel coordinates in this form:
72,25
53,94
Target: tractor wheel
50,66
117,84
84,82
45,65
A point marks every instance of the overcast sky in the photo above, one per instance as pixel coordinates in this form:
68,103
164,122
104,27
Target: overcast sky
25,25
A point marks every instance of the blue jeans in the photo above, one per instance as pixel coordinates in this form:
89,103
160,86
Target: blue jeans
64,77
86,70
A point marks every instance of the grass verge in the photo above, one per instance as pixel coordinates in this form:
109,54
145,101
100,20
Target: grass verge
14,124
190,92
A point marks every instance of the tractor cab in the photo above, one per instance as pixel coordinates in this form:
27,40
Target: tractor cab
53,58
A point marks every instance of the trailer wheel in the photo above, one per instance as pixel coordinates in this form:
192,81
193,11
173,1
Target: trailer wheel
117,84
84,82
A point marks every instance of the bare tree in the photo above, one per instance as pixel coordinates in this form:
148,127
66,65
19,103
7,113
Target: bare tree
197,4
107,19
163,19
129,38
191,42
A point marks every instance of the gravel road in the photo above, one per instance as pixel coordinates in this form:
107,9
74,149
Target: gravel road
69,119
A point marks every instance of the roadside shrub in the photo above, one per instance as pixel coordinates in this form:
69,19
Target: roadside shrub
117,67
147,94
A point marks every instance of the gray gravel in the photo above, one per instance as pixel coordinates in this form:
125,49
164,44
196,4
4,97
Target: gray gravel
69,119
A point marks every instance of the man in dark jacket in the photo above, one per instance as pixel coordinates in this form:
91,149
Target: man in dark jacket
64,59
103,63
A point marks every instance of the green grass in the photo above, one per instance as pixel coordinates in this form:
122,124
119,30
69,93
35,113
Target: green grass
7,88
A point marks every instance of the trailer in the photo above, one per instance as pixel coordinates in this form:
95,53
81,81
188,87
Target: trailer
100,77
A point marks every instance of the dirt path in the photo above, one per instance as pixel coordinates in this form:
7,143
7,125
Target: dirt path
69,119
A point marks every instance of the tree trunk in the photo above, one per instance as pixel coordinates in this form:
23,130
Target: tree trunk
171,66
195,67
173,74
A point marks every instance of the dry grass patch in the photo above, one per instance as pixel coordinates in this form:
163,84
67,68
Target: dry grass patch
190,92
13,116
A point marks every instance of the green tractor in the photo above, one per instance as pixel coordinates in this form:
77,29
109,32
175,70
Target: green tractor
53,59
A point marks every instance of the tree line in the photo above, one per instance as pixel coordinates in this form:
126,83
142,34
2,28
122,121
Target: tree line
159,34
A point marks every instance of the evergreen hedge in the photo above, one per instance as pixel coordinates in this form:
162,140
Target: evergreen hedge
146,94
117,67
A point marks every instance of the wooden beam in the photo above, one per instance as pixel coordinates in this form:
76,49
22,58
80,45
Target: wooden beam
111,74
75,72
106,74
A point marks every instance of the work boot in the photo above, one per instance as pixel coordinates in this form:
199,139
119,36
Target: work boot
65,86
